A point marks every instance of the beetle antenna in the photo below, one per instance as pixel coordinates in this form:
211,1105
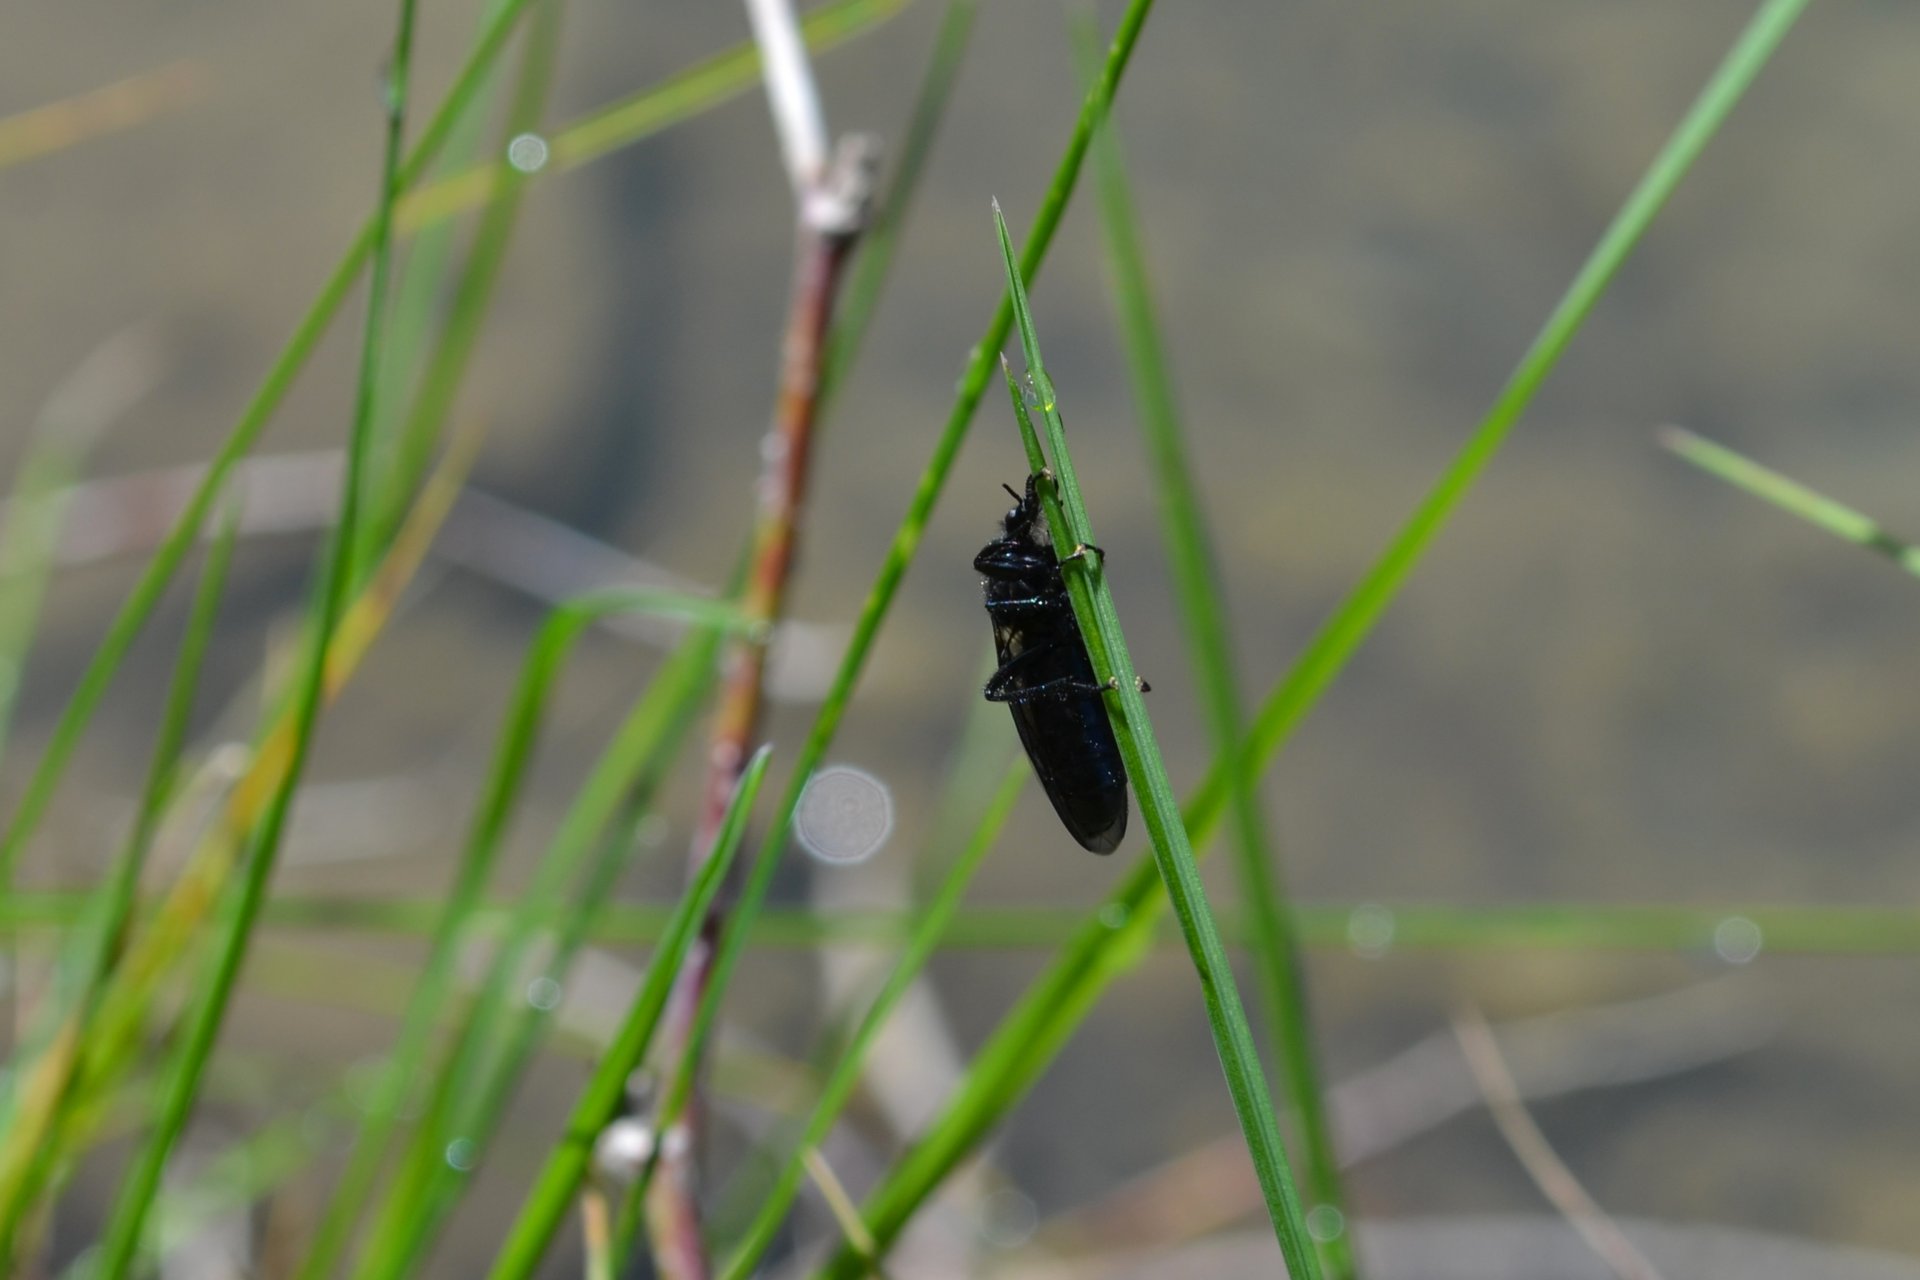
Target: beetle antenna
1011,494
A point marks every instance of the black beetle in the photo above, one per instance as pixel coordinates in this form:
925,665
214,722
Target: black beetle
1046,678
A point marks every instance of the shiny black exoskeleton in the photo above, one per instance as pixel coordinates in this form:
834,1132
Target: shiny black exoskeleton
1046,678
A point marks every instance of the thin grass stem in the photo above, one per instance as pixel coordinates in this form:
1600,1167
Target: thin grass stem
1195,573
1099,619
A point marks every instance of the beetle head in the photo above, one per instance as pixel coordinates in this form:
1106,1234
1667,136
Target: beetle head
1026,521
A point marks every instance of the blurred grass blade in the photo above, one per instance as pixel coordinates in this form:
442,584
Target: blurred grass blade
44,130
499,799
28,1151
559,1181
404,445
868,276
422,287
1045,1017
35,510
176,924
929,928
479,1069
125,1228
140,602
1195,572
1093,605
1791,496
620,124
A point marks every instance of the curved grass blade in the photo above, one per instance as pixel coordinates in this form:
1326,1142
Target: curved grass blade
560,1180
1172,854
1044,1018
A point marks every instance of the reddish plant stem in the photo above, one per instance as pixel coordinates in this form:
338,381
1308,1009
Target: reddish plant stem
820,256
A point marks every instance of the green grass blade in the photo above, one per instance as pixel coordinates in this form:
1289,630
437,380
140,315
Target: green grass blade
930,927
209,1012
861,293
1195,573
419,294
267,1158
499,801
1106,644
1791,496
32,1142
490,1050
1044,1018
153,582
559,1182
416,435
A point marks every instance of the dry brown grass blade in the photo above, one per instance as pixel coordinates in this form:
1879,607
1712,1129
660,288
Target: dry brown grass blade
111,108
844,1210
1536,1154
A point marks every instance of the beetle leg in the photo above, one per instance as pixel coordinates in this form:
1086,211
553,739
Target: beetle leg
1000,683
1060,687
1005,560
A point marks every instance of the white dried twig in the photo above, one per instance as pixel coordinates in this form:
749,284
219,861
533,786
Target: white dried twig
791,93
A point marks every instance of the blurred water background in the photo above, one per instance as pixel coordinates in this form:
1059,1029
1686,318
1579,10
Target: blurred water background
1615,680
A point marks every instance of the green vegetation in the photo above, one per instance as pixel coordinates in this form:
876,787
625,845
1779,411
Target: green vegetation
131,978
